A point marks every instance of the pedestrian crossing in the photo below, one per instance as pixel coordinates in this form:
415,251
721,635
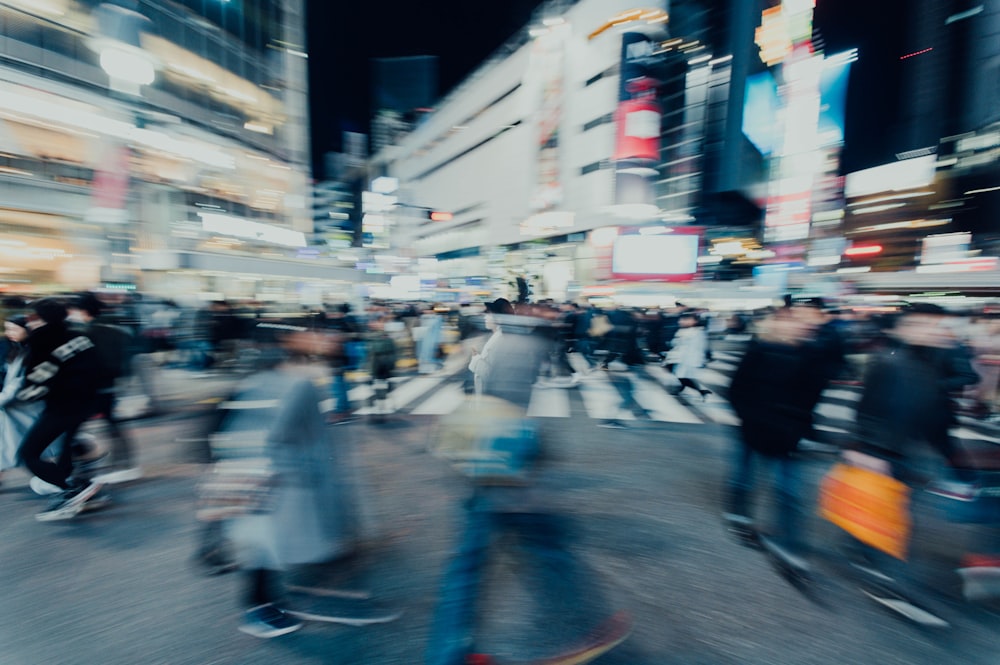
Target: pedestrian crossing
627,395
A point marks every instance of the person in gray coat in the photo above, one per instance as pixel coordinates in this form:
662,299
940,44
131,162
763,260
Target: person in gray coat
311,515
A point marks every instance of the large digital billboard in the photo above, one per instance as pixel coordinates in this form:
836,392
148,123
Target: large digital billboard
664,257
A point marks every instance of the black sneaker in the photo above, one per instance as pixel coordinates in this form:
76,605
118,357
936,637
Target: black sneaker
99,501
69,504
267,621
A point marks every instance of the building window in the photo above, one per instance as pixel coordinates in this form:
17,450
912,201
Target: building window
597,122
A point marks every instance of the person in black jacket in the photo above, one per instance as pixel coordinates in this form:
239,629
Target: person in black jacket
906,407
61,369
773,394
113,346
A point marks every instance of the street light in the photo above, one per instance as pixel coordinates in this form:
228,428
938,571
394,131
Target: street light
118,44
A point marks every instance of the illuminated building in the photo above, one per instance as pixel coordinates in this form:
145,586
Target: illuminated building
597,115
158,144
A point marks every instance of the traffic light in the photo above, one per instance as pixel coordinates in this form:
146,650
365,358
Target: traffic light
439,216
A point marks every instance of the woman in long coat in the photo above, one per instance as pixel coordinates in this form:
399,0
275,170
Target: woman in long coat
312,516
688,354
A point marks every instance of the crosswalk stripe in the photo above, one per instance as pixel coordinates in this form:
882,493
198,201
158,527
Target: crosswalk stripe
835,411
549,403
662,406
413,389
442,402
713,377
966,433
838,393
602,400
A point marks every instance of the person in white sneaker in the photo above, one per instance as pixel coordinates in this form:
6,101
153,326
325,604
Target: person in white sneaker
113,346
60,371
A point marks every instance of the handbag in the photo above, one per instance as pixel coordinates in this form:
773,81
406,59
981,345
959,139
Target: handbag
235,488
870,505
600,326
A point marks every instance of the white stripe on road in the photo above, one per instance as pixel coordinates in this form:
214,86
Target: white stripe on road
442,402
966,433
831,430
659,404
838,393
602,400
549,403
835,411
664,377
713,377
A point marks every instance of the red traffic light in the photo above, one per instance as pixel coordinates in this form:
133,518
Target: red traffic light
438,216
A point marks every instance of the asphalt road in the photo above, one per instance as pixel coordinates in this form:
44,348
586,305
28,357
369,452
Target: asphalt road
119,588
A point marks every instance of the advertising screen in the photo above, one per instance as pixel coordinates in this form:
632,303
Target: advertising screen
671,256
759,111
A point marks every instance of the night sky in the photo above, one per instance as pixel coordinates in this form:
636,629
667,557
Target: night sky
345,36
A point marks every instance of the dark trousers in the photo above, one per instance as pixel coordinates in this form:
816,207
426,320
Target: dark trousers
261,587
572,597
51,423
689,383
121,451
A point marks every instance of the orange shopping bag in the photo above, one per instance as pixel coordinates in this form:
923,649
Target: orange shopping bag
871,506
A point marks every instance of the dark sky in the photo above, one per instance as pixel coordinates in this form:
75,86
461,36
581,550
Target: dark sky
345,36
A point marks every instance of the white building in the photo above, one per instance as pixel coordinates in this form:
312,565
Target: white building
524,149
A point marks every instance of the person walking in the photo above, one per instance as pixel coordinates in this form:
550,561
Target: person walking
687,356
113,346
60,370
771,394
906,406
382,358
16,416
273,418
492,442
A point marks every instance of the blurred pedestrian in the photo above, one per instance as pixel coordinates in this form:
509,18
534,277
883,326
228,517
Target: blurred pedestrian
16,416
382,358
770,393
309,516
498,449
688,354
344,329
907,408
61,371
483,359
113,346
429,342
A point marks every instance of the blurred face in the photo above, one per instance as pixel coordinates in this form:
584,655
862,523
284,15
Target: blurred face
924,330
14,332
490,321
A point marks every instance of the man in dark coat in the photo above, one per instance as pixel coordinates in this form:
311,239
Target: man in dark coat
905,408
773,394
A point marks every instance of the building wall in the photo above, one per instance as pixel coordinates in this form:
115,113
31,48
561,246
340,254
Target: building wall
66,132
476,155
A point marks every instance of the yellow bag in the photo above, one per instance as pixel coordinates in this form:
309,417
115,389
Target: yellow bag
871,506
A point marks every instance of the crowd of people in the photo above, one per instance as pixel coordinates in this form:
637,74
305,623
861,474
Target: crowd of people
67,359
